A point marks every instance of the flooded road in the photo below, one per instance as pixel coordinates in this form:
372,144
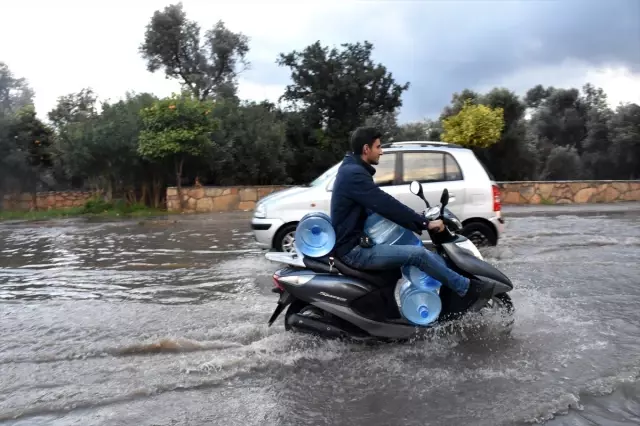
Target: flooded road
164,323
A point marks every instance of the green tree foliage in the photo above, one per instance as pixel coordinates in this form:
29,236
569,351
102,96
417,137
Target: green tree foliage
475,125
30,155
176,128
625,141
252,146
207,66
563,163
338,89
15,94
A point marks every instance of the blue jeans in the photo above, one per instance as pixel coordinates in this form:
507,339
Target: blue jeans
386,256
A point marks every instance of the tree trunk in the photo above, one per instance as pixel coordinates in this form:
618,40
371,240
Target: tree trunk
34,193
109,189
156,185
179,164
34,200
143,196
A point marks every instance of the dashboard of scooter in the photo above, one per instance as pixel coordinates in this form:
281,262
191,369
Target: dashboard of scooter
450,220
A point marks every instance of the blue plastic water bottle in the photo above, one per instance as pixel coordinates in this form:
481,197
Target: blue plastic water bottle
315,236
421,279
419,306
384,231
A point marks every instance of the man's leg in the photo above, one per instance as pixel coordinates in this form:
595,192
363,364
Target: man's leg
385,256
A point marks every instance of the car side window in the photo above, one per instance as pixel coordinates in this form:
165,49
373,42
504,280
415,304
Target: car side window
452,169
385,170
430,167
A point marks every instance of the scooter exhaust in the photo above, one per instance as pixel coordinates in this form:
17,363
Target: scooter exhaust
312,326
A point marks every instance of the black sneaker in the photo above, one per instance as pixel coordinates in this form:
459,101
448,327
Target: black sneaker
478,290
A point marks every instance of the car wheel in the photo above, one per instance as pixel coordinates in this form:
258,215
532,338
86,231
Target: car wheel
480,234
285,238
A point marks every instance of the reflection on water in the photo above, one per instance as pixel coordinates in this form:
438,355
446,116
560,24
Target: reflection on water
165,323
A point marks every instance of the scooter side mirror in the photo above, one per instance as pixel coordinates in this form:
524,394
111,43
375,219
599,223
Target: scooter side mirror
416,188
444,199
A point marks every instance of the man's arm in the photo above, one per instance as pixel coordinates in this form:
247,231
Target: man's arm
366,193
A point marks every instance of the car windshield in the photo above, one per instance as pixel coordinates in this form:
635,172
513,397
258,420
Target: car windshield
323,178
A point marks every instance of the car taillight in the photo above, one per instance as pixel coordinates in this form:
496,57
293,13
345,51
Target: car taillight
497,206
277,283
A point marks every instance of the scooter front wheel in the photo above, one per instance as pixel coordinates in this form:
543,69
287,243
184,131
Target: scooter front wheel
502,305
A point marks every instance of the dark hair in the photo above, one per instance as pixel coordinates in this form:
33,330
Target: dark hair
363,136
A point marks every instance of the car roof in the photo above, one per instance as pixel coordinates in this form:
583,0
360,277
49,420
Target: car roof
419,145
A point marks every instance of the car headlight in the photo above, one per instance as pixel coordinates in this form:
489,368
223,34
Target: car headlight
260,211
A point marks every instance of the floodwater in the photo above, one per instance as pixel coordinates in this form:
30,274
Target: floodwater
164,323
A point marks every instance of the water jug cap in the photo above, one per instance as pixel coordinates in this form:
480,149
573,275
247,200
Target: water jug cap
423,311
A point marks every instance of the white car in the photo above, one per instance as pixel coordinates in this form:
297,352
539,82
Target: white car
474,196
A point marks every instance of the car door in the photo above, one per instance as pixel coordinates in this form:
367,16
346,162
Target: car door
435,170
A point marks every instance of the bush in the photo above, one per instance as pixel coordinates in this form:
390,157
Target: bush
96,206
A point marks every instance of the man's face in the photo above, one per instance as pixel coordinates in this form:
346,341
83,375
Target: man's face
372,154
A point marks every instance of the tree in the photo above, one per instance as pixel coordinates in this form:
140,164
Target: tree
386,123
536,95
114,145
31,155
563,163
74,108
511,157
458,101
176,128
206,67
338,89
252,146
596,156
425,130
474,125
625,137
73,119
15,93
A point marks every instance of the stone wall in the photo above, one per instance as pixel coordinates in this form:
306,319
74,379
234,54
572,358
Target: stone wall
46,200
569,192
217,199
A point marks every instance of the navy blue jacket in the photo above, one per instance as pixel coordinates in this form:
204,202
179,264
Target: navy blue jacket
354,191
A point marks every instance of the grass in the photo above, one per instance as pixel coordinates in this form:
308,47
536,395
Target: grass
546,201
93,208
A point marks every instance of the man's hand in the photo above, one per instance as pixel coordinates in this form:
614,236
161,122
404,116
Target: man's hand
436,225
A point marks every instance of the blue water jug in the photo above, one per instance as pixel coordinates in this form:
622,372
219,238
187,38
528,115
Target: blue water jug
421,279
315,236
384,231
419,306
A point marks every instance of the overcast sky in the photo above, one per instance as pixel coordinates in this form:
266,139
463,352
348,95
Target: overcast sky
438,46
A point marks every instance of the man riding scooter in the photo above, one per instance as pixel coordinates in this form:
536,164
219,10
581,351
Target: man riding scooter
354,192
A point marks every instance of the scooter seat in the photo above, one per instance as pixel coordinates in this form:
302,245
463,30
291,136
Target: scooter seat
377,278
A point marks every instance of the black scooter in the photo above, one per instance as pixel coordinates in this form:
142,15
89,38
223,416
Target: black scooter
329,298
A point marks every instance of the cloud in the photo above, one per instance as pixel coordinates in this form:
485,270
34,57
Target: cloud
439,46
